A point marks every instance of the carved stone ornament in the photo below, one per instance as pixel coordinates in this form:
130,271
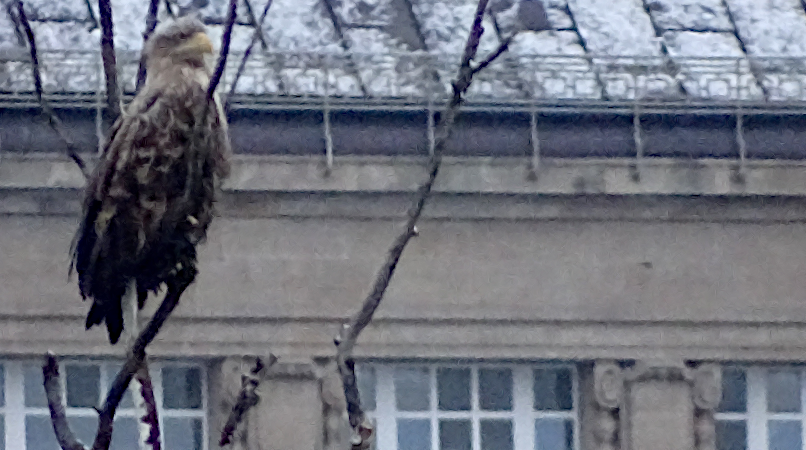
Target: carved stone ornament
608,385
707,386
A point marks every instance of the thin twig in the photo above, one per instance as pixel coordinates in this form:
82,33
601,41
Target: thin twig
242,65
151,25
504,46
53,391
247,398
224,51
150,419
254,22
348,336
108,55
91,19
57,125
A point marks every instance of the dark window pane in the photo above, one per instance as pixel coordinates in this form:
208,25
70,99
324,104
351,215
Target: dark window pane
83,386
554,434
734,391
784,434
125,435
496,435
181,387
495,389
413,434
366,386
553,389
412,388
182,433
39,434
83,427
453,389
783,391
32,386
2,388
731,435
111,372
2,432
454,435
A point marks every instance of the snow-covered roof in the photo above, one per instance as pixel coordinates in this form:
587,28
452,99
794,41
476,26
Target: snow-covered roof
698,50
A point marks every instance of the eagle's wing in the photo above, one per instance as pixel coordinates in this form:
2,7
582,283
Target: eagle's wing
154,186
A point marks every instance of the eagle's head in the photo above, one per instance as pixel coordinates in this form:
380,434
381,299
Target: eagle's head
183,41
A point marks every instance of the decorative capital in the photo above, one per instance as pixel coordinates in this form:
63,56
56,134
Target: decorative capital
707,386
608,384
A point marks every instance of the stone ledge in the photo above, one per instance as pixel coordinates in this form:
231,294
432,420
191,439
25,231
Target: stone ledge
296,340
658,176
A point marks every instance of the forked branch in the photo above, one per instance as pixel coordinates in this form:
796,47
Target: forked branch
18,9
345,342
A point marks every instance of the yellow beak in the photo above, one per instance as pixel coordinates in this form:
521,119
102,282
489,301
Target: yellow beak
199,42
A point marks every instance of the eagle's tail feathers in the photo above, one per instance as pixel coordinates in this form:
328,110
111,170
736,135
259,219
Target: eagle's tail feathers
111,314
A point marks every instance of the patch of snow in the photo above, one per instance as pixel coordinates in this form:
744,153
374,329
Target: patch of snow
615,27
215,11
130,21
446,24
695,15
8,38
556,10
712,66
65,36
300,26
771,28
385,69
364,12
552,64
63,10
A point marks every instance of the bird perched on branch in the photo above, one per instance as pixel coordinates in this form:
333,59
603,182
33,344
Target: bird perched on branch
150,199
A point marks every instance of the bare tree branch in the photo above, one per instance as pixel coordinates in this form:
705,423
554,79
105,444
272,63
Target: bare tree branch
151,25
224,51
504,46
91,16
108,55
257,34
247,398
253,21
22,19
348,336
135,359
53,390
150,419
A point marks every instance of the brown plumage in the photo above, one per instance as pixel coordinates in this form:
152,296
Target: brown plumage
150,200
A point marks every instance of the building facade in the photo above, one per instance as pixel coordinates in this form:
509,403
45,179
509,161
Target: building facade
611,259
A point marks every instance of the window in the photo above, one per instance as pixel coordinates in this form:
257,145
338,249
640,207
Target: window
762,408
179,388
471,406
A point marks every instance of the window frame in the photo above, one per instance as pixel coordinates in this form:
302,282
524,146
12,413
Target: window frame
15,411
756,416
523,415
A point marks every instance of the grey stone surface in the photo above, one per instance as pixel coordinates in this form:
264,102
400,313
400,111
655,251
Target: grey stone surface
65,36
693,15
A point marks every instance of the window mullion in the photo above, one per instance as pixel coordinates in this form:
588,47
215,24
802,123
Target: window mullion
756,410
434,404
385,419
523,426
475,425
15,405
